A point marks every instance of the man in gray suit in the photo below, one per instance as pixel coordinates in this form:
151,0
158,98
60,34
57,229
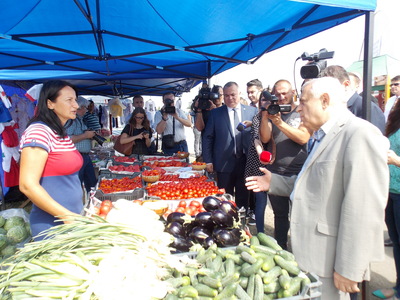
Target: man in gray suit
340,194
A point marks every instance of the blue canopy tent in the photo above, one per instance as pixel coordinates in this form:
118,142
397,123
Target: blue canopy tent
113,47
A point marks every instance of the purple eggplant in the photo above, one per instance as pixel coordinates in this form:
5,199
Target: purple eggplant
181,244
222,219
204,219
199,234
175,217
225,238
230,209
211,203
176,229
208,242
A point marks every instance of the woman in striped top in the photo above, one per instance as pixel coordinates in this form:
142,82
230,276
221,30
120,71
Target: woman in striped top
50,163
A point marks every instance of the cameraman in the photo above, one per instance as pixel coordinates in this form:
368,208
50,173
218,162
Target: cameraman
170,122
82,137
290,137
202,107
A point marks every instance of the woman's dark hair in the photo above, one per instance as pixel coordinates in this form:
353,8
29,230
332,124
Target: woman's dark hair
146,122
393,123
50,91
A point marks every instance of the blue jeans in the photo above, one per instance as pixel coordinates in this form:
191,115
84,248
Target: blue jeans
86,173
182,146
392,219
260,205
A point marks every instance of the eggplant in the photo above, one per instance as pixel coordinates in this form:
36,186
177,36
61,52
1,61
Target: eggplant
211,203
208,242
181,244
237,232
189,226
222,219
225,238
204,219
230,209
216,231
175,217
199,234
176,229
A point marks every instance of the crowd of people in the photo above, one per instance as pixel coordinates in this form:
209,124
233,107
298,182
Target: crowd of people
332,177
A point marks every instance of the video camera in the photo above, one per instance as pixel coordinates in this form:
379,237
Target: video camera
169,108
317,63
206,94
274,107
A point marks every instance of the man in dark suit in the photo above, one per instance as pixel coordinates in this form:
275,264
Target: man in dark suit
224,147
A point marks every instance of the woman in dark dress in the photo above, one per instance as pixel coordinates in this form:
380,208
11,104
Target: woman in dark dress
138,130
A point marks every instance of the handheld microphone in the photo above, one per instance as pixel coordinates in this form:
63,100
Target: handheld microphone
265,157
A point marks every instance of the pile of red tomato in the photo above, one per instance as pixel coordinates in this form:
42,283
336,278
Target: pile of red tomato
124,159
122,168
104,209
115,185
165,164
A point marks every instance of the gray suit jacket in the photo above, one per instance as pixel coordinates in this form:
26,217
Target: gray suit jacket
337,217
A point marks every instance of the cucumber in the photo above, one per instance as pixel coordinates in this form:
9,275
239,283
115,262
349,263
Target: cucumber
205,290
258,288
295,285
268,264
241,248
272,287
247,257
270,296
241,293
284,279
254,240
248,270
187,291
286,255
272,274
229,279
266,240
216,263
243,281
263,249
207,254
204,298
193,277
229,266
291,268
251,286
207,272
236,258
306,281
171,297
228,291
214,283
180,281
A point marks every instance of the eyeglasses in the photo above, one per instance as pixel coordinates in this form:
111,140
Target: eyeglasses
140,118
395,84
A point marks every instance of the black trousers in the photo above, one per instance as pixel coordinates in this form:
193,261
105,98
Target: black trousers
281,206
234,183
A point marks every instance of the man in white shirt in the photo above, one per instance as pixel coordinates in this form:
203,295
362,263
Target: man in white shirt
395,90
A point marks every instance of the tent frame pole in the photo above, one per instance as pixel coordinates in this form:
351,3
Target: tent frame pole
367,70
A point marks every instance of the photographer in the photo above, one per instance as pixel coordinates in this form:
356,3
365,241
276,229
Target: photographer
82,137
207,100
281,124
170,122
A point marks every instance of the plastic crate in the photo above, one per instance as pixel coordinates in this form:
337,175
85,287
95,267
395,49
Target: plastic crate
107,174
134,195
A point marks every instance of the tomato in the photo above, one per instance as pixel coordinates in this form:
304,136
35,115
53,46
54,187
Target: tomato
106,203
180,209
182,204
189,211
104,210
137,201
195,203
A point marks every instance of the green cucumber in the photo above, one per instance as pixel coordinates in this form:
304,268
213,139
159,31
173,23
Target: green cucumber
180,281
193,277
251,286
254,240
216,263
229,266
247,257
248,270
241,248
284,279
241,293
258,288
214,283
243,281
295,285
236,258
187,291
228,291
205,290
291,268
272,274
306,281
171,297
229,279
266,240
286,255
263,249
268,264
272,287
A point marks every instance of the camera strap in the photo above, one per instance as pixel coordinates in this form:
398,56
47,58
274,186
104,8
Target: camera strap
173,126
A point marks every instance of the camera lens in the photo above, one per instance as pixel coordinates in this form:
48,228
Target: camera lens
273,109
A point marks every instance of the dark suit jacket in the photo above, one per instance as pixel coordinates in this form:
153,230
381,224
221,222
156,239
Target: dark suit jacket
218,138
354,104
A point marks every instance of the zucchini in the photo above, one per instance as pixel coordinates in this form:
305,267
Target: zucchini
241,293
272,274
258,288
205,290
291,268
263,249
248,270
266,240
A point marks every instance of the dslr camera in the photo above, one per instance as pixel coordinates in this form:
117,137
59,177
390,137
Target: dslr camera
98,138
274,107
169,108
206,94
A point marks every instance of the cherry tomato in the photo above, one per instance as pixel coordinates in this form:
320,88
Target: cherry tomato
182,204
